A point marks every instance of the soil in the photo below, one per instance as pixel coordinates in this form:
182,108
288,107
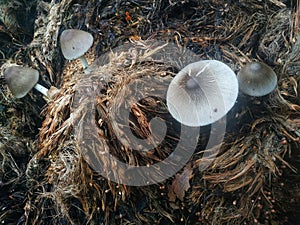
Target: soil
45,176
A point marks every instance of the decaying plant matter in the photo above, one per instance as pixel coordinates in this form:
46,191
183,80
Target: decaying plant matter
14,154
255,176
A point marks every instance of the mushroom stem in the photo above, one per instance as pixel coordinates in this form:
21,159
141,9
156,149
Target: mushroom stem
41,89
83,62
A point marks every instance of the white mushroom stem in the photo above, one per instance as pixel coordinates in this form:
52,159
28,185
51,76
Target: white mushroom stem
84,63
41,89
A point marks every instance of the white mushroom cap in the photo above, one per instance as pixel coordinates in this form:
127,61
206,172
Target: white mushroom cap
75,43
20,80
202,93
257,79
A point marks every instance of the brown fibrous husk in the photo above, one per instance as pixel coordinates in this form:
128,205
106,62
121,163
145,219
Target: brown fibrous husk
255,174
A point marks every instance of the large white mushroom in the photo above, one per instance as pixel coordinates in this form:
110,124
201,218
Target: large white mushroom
202,93
257,79
75,43
21,80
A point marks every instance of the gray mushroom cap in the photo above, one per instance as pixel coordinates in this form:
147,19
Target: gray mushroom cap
202,93
257,79
75,43
20,80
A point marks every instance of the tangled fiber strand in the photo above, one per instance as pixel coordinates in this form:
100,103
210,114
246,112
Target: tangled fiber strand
253,169
14,154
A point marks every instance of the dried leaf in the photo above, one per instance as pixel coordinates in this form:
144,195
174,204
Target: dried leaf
180,184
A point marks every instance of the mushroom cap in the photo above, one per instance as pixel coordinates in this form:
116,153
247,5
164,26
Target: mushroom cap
75,43
20,80
202,93
257,79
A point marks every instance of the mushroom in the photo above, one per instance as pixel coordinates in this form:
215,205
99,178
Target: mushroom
202,93
21,80
257,79
74,44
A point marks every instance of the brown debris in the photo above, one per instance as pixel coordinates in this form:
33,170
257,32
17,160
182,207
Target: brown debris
255,175
180,184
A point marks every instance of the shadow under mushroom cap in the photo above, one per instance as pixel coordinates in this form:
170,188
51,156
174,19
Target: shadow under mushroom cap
215,95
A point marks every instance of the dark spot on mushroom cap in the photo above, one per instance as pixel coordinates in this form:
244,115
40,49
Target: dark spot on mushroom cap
257,79
75,43
20,80
192,83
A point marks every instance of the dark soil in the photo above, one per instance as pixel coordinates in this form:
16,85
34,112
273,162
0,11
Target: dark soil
255,177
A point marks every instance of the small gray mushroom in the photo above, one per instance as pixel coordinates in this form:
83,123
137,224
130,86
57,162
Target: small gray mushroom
202,93
257,79
75,43
21,80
